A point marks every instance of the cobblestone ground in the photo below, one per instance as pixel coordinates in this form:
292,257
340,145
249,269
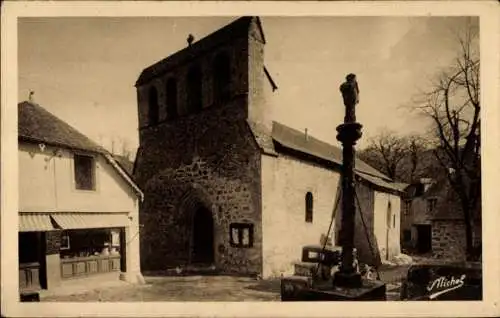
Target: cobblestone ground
206,288
183,288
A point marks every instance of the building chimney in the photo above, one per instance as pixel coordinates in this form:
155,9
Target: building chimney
306,135
426,182
30,97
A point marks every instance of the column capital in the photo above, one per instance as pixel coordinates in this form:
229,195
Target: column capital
349,132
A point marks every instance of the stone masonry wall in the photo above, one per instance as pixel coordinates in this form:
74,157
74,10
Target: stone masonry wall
237,50
448,239
208,159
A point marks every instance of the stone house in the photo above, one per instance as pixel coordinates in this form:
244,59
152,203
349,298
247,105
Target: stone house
417,209
448,227
78,209
432,220
227,185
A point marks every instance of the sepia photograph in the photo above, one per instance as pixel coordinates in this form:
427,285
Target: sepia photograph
249,158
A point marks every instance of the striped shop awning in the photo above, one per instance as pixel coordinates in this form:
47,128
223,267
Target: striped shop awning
71,220
34,222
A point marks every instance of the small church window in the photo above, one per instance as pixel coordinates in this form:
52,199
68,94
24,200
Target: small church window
241,234
154,109
194,89
222,76
309,207
171,98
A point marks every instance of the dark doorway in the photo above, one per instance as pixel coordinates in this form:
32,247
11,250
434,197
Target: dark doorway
203,237
424,238
32,267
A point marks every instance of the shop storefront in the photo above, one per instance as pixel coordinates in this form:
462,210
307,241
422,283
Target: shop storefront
58,247
89,252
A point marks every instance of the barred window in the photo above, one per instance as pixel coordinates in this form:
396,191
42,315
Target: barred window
241,234
407,207
431,204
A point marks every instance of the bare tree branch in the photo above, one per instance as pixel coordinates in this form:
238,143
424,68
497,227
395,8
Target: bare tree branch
453,106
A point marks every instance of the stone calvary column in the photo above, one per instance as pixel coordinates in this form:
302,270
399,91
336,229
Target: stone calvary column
347,283
348,133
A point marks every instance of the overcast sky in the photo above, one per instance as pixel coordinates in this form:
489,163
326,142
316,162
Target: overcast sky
83,69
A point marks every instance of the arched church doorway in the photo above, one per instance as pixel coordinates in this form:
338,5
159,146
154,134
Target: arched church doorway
203,237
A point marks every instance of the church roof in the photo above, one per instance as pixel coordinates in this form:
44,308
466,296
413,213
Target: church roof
298,141
36,124
238,28
263,138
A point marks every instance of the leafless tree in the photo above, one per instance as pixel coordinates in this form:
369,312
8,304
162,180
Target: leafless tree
453,105
117,146
416,147
390,153
126,150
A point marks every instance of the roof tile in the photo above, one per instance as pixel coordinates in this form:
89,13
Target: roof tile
298,141
39,125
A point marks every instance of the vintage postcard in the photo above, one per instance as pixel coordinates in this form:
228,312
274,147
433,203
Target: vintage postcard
240,159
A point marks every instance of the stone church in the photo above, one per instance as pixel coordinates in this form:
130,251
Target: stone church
225,185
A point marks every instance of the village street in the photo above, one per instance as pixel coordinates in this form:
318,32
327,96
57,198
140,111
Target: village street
199,288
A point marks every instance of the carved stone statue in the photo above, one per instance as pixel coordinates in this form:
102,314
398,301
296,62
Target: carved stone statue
350,94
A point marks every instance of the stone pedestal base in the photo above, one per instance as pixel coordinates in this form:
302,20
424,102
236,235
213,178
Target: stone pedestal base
133,278
302,289
369,290
342,279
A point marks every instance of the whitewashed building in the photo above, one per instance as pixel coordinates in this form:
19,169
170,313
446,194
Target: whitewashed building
78,208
